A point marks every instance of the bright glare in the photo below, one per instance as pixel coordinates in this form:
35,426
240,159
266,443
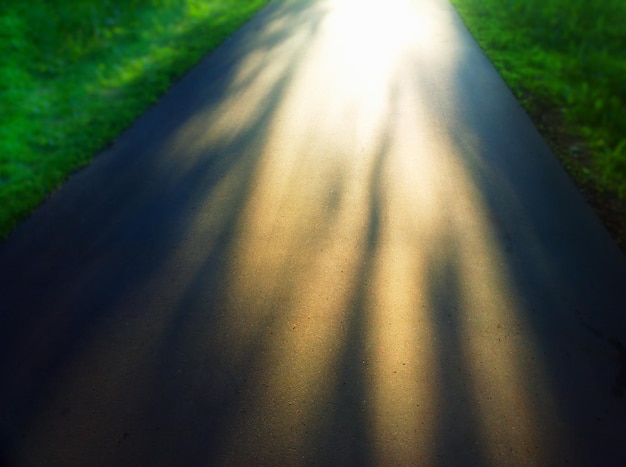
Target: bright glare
373,35
361,279
358,187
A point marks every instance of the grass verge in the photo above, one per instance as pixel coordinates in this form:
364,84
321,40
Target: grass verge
74,74
564,60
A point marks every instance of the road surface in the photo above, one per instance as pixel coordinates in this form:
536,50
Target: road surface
337,241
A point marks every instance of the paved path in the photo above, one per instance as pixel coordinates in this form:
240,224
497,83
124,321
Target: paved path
338,240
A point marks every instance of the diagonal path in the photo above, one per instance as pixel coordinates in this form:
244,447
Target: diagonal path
338,240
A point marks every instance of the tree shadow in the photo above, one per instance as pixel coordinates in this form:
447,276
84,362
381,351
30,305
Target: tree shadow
107,233
562,268
211,291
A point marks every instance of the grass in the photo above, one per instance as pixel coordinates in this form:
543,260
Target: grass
564,58
74,74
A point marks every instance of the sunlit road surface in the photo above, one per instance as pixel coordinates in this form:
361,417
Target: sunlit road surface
339,240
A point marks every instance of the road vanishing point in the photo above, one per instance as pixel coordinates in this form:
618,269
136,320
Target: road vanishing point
338,240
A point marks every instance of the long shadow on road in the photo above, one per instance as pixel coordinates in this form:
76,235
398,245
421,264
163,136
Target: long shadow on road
319,248
79,265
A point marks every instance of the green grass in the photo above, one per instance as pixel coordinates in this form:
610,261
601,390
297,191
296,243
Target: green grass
568,56
74,74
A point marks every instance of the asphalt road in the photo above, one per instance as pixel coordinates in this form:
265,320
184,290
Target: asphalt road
338,240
